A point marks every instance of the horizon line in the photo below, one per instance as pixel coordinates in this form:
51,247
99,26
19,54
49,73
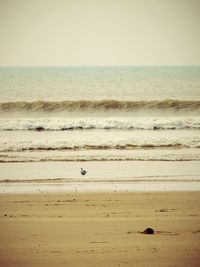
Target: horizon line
111,65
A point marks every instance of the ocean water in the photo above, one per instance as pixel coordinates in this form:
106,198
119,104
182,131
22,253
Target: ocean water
99,113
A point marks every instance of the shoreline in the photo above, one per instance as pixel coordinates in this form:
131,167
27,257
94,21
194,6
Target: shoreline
124,176
98,187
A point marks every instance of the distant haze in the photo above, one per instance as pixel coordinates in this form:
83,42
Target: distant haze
99,32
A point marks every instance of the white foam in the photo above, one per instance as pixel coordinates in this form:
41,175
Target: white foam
55,124
98,140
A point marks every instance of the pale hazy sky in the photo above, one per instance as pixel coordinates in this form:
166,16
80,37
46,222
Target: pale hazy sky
99,32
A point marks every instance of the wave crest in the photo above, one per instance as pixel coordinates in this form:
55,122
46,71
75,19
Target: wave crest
98,105
125,123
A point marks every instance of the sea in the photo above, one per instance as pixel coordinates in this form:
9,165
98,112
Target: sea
99,114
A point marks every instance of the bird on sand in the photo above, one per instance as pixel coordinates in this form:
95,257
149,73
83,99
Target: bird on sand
83,172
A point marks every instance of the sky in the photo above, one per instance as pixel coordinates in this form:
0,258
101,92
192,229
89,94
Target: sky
99,32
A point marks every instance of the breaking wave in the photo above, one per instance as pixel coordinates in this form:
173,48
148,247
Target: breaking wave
125,155
99,105
58,124
97,144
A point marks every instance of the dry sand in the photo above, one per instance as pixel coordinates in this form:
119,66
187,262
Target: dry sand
100,229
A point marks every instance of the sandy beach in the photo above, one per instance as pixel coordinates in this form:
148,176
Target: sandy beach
100,229
99,133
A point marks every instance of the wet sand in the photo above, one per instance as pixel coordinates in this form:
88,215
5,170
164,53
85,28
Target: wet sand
100,229
119,176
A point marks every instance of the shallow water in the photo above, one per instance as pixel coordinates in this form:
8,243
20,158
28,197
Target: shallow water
123,176
104,114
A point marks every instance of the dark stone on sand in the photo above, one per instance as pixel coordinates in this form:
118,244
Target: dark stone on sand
148,231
